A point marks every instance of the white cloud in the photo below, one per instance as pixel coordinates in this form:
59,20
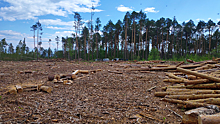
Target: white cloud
151,9
107,15
56,28
122,8
0,19
31,9
55,22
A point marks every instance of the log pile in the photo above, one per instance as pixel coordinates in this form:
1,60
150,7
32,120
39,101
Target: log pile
193,85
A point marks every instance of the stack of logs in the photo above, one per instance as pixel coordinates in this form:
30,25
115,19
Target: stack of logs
192,86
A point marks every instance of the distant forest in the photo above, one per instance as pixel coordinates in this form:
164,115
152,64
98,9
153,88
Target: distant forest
136,37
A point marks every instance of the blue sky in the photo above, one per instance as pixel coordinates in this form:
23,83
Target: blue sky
17,16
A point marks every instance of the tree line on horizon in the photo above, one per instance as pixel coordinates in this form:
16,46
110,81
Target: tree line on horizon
134,38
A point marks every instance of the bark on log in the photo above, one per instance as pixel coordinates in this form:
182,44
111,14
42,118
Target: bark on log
19,88
176,86
204,86
46,89
199,81
84,71
198,74
178,90
190,61
192,77
180,64
162,94
186,104
174,80
192,97
191,116
174,76
209,119
12,90
192,65
215,101
207,66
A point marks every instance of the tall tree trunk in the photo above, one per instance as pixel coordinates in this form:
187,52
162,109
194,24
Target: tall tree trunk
125,49
132,36
181,44
37,42
105,47
97,48
162,50
34,44
134,39
84,46
209,40
115,45
147,46
186,44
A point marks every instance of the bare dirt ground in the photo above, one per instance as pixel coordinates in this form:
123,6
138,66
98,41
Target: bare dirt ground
101,97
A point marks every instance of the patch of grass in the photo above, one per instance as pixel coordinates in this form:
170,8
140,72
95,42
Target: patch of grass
164,118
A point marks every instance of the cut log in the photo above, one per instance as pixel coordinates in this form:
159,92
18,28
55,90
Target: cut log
76,72
99,70
209,119
162,94
46,89
190,61
19,88
186,104
178,90
207,66
191,116
84,71
192,77
174,80
198,74
176,86
12,90
180,64
199,81
162,65
192,97
204,86
30,87
174,76
192,66
215,101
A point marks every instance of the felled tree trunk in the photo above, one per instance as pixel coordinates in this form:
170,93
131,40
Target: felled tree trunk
198,74
209,119
192,97
46,89
186,104
162,94
215,101
191,116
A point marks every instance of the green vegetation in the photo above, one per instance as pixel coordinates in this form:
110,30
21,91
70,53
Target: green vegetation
136,37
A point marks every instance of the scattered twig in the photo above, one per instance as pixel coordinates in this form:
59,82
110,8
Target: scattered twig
175,113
